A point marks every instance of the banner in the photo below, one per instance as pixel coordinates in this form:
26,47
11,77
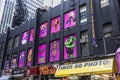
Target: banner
86,68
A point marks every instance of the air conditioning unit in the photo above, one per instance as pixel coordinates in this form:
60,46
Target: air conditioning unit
84,39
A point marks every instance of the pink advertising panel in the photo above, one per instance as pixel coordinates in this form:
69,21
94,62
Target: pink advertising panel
54,51
13,63
55,25
43,29
117,56
29,57
31,38
70,47
41,58
21,60
69,19
24,37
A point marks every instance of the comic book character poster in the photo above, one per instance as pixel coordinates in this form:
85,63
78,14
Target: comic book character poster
54,51
55,25
21,59
24,37
43,29
7,62
13,63
29,57
31,38
69,19
70,47
41,54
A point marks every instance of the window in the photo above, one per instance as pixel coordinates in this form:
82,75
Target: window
83,14
84,43
16,41
107,30
104,3
9,44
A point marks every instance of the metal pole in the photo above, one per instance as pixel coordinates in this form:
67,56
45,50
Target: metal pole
104,44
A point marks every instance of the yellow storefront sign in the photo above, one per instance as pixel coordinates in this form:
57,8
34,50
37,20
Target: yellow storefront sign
86,68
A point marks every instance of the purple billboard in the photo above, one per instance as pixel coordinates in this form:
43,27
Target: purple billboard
7,63
54,51
31,38
24,37
21,59
118,59
41,58
55,25
29,57
43,29
69,19
70,47
13,63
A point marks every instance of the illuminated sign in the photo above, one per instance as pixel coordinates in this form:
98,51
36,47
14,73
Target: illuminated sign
47,70
31,71
84,68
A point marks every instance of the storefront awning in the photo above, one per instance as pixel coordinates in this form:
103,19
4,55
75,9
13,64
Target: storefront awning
86,68
5,77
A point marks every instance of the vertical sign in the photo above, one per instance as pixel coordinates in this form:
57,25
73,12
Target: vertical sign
93,26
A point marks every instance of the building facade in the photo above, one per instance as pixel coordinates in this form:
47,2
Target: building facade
71,34
52,3
32,6
7,10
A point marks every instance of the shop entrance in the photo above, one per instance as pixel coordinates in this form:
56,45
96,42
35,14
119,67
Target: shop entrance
84,78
